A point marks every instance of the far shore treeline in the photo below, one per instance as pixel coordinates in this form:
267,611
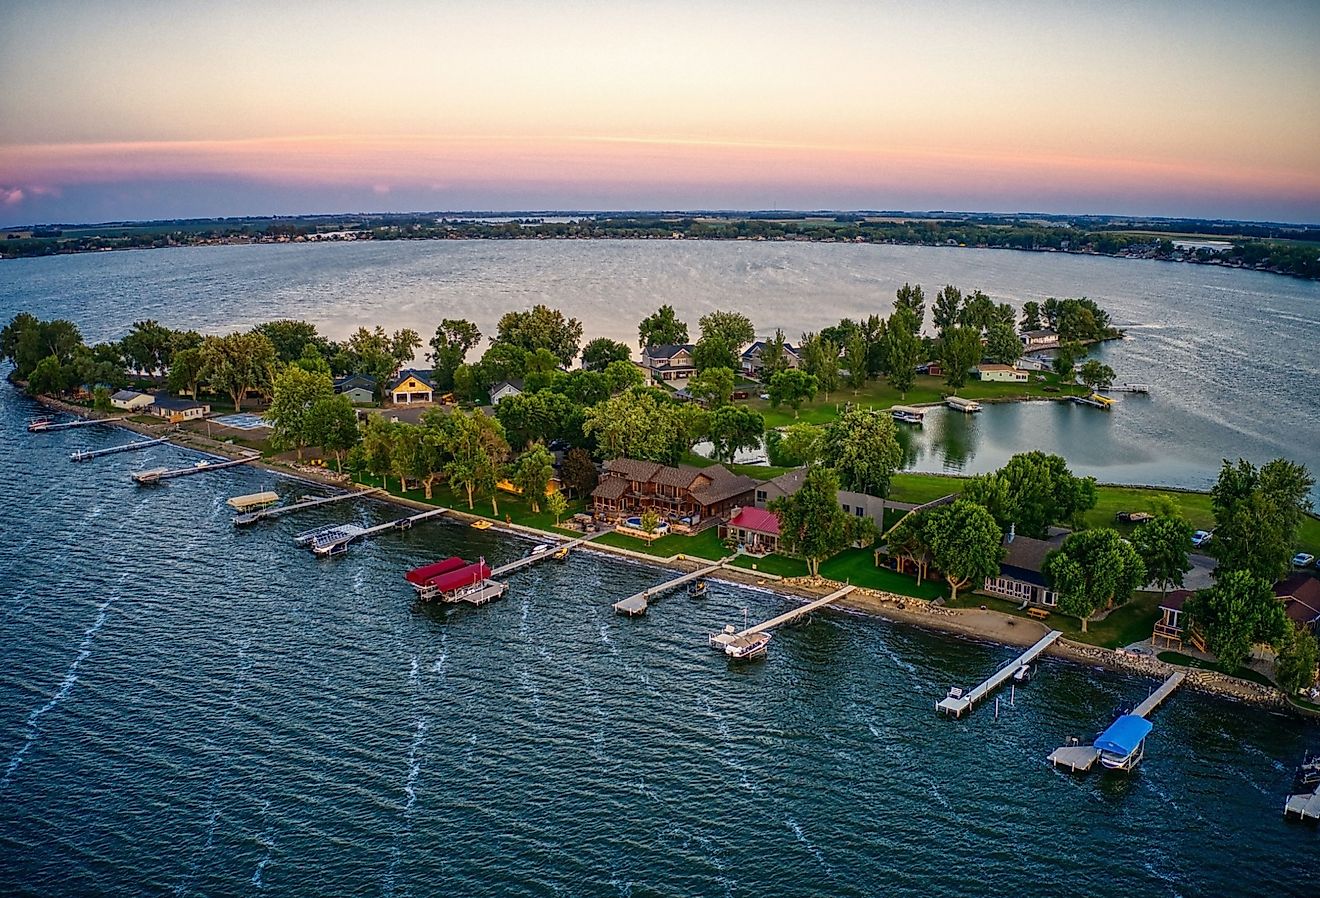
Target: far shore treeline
1277,248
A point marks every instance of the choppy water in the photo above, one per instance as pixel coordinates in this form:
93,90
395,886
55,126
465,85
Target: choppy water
190,709
1231,355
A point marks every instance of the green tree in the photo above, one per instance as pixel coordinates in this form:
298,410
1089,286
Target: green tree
556,504
948,303
774,356
1239,611
902,351
49,378
1033,490
312,360
578,471
1093,570
812,524
532,473
623,375
101,399
662,329
964,542
477,454
862,448
1031,316
602,351
733,329
1002,344
295,392
794,445
1258,514
1065,361
1162,543
371,353
541,327
238,363
820,359
855,355
454,339
978,312
911,300
733,428
959,351
378,447
714,386
792,388
147,346
637,424
1095,374
332,425
1294,665
650,521
713,352
291,338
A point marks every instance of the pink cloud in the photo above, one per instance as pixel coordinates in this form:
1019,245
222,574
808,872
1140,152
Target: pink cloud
11,196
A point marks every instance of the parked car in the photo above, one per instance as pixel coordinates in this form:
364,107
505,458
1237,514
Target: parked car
1201,537
1133,517
765,396
1302,559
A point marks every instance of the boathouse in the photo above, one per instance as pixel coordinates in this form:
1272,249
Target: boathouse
411,385
755,530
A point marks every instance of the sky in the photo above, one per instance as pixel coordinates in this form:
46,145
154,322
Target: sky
139,110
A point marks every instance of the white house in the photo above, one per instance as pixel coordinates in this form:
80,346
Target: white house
505,389
1039,339
131,400
175,410
1000,373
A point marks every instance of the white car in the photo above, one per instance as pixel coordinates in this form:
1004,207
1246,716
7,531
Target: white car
1201,537
1302,559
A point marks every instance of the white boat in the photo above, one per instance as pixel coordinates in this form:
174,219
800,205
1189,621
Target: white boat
541,549
1123,745
908,414
742,648
1024,674
958,404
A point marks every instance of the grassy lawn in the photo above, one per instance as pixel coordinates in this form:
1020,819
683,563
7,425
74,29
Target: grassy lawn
857,566
511,507
878,394
1125,625
921,488
774,564
705,544
1245,673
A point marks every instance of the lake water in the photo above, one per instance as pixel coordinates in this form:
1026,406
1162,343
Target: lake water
1230,355
191,709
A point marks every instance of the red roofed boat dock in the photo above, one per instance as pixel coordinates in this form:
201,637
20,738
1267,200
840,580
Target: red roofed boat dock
455,580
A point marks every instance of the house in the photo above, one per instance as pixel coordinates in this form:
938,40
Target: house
360,389
751,358
754,529
1300,595
411,385
1000,373
628,487
1029,363
131,400
670,362
1039,339
1171,628
860,504
1020,578
176,410
505,389
934,369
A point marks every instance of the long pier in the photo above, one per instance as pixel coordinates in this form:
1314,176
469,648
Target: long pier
335,540
530,560
639,602
263,514
89,454
156,475
70,425
964,702
1077,757
728,635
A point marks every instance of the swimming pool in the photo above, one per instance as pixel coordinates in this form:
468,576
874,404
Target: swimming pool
243,421
636,524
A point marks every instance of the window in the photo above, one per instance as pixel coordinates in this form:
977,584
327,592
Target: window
861,512
760,496
846,509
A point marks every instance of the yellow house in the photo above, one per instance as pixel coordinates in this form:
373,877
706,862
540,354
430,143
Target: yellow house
412,386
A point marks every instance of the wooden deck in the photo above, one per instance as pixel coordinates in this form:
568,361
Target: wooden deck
956,706
335,540
81,422
156,475
253,517
639,602
728,636
1154,700
89,454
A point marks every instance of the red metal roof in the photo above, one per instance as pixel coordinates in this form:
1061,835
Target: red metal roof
419,575
756,519
463,577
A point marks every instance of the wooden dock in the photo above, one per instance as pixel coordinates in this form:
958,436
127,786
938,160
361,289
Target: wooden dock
335,540
964,702
555,549
1306,805
156,475
729,635
89,454
638,603
252,517
70,425
1080,758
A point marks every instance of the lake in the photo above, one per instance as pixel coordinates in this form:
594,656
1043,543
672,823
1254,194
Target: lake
1230,354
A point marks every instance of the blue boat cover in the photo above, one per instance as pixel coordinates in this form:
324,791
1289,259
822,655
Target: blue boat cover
1124,735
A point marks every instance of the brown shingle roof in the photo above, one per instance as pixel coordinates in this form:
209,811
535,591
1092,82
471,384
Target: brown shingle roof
632,468
724,485
1175,600
682,477
1299,586
610,488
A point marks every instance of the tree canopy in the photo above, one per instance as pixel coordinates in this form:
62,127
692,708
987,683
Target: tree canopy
792,387
812,524
964,542
238,363
541,327
1093,570
733,428
1033,490
296,391
601,351
1258,513
1163,544
862,448
454,339
661,328
733,329
1239,611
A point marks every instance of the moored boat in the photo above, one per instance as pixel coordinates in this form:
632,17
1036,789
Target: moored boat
743,648
1123,745
1024,674
908,414
40,422
697,589
958,404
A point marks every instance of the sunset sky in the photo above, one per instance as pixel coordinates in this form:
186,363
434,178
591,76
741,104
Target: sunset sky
130,110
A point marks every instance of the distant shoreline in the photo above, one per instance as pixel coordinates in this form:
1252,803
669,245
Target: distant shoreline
368,237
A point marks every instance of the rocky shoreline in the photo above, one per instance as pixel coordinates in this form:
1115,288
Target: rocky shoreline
991,626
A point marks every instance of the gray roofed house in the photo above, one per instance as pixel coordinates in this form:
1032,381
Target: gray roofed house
629,486
1020,578
862,505
669,362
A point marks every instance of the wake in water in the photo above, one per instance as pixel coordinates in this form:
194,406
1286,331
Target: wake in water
410,791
